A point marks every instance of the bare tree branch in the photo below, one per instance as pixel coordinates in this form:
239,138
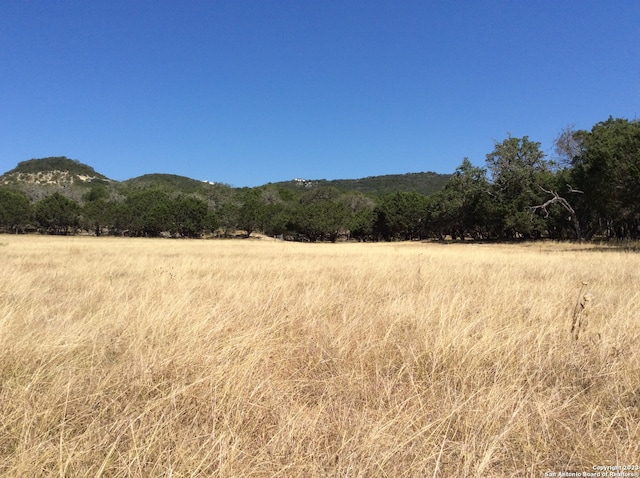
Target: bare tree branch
556,198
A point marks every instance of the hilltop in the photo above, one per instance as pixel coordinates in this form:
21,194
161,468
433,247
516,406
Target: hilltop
169,182
39,169
423,183
42,177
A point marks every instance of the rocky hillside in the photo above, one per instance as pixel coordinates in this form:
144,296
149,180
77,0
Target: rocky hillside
39,178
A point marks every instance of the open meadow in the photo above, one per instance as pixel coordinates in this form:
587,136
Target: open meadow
134,357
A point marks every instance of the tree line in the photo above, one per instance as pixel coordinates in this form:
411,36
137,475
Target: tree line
591,188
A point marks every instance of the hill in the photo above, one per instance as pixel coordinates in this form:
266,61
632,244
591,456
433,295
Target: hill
42,177
424,183
170,182
39,178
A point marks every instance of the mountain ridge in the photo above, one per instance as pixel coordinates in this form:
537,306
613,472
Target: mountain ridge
62,172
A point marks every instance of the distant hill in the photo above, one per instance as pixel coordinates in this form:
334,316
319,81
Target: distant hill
42,177
423,183
171,182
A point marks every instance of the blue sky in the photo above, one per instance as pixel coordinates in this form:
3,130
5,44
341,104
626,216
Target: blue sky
250,92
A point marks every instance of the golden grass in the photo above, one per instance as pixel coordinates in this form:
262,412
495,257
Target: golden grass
125,357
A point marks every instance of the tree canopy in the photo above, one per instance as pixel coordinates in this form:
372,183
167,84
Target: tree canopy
58,214
15,210
55,163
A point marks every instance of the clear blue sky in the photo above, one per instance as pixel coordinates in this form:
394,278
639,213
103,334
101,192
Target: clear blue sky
250,92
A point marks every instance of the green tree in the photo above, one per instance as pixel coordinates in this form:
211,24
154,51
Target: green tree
211,222
58,214
15,210
279,204
252,211
189,215
320,219
401,216
278,217
468,207
607,170
518,168
361,209
147,213
97,211
321,214
228,217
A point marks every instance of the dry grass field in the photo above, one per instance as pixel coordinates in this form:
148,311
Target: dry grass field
126,357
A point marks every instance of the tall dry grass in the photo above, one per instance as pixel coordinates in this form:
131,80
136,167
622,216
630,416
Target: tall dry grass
124,357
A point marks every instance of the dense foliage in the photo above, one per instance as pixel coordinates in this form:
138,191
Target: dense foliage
591,190
425,183
170,182
56,163
58,214
15,210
